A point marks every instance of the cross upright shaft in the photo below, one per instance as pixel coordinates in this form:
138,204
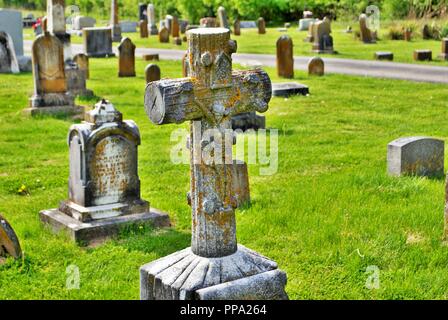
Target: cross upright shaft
210,95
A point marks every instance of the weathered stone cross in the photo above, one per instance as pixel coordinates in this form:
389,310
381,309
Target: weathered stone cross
209,97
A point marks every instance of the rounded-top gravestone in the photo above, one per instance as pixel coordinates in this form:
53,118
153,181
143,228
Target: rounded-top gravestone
285,58
9,243
316,66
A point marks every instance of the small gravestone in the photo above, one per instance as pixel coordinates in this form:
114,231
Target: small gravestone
222,17
444,54
152,26
208,22
287,25
143,26
104,187
164,35
128,26
316,66
240,182
11,23
285,58
384,55
426,32
304,24
152,73
408,35
9,242
236,28
365,33
126,61
422,55
321,35
98,42
142,11
82,61
76,80
261,26
215,266
175,30
50,83
177,41
349,29
114,22
81,22
248,120
309,37
420,156
150,57
8,59
287,89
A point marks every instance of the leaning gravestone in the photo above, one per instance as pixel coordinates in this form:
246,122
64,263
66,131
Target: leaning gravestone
152,73
237,27
322,40
83,63
164,35
152,26
222,17
261,26
215,267
50,83
9,242
285,58
11,23
126,61
365,32
420,156
316,67
444,54
143,26
287,89
8,59
114,22
104,187
98,42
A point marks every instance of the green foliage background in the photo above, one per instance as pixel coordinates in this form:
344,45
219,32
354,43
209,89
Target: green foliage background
271,10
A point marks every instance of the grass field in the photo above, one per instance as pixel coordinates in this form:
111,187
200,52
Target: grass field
329,213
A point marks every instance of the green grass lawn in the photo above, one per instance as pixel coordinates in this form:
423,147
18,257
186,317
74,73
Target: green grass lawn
330,212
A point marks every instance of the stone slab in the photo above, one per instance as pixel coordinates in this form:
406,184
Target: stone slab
384,55
248,120
76,111
151,57
287,89
422,55
97,230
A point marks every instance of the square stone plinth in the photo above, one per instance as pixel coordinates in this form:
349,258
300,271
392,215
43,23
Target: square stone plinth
244,275
287,89
85,233
75,111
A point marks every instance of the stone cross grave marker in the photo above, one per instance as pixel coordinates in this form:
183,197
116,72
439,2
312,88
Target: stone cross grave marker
104,186
9,242
152,26
143,26
261,26
126,61
97,42
50,83
222,17
285,58
152,73
209,97
114,22
8,59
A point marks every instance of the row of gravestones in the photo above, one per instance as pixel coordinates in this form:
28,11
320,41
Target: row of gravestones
104,187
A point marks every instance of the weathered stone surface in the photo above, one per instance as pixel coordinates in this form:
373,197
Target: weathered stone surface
82,61
114,22
11,23
143,26
421,156
209,22
8,59
98,42
383,55
287,89
152,73
103,181
128,26
164,35
76,80
422,55
81,22
126,61
316,66
175,27
151,57
240,182
222,18
183,25
9,242
322,40
211,93
285,58
304,24
152,26
444,54
237,27
56,16
365,32
261,26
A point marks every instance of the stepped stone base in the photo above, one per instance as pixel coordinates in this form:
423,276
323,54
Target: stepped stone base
244,275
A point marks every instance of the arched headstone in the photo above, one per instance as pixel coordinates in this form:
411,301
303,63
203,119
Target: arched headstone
261,26
152,73
285,58
127,58
316,66
8,59
9,242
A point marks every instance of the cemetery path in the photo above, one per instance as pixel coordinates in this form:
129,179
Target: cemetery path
378,69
